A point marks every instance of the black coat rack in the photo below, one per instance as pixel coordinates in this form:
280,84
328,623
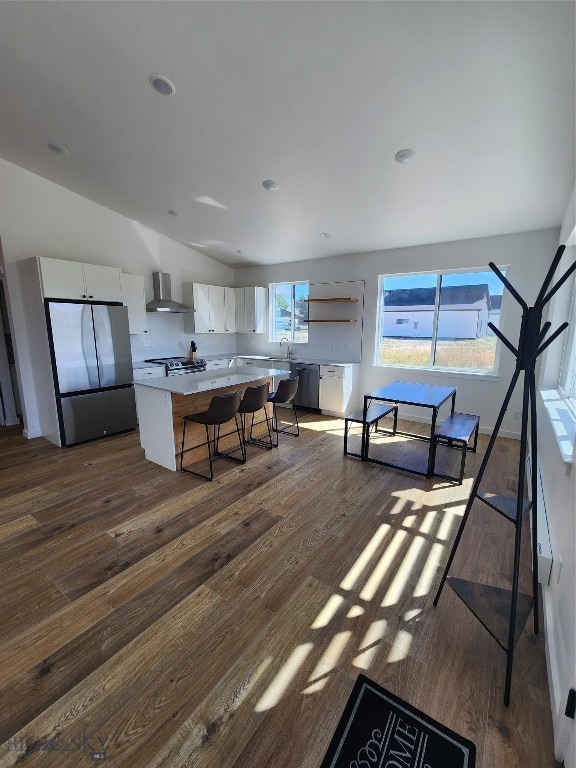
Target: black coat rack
504,612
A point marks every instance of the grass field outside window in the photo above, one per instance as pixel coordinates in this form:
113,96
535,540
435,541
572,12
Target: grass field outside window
463,354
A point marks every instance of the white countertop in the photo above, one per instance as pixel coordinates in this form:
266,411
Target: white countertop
192,383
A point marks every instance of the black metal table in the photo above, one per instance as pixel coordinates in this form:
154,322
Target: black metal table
430,396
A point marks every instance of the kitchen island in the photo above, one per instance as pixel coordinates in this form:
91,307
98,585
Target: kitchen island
163,402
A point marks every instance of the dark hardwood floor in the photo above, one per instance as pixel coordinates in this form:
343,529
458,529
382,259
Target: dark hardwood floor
163,620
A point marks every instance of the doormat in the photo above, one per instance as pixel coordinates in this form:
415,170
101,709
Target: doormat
379,729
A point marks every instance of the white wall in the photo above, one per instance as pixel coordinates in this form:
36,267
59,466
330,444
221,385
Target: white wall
559,481
39,218
526,255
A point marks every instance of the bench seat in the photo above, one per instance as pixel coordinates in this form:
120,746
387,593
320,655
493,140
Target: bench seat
374,413
458,428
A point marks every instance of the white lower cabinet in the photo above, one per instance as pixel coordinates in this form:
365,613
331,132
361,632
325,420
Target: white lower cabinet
151,372
336,389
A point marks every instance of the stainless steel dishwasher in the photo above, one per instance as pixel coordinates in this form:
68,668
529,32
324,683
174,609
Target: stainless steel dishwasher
308,384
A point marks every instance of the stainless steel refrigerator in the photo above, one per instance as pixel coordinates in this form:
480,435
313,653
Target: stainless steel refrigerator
92,369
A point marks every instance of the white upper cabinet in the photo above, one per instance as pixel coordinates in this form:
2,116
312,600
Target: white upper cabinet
63,279
200,318
251,309
216,303
229,310
134,298
209,303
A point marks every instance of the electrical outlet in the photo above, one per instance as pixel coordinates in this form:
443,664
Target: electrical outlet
347,347
517,414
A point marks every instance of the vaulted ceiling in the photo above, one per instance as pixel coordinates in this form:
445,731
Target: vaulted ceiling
317,96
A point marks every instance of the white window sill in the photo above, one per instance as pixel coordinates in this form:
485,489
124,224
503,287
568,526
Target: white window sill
563,422
449,373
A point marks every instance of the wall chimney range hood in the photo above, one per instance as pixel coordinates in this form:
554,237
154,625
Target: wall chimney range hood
162,301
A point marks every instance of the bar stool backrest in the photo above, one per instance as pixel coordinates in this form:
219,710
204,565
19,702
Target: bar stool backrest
254,398
222,408
286,391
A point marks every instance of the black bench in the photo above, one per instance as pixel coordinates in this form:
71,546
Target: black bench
458,428
375,412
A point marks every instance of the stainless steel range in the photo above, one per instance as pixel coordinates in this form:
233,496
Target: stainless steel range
177,366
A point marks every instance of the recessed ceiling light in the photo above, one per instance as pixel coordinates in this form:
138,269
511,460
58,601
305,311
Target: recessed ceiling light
326,235
162,85
270,185
59,150
405,156
172,212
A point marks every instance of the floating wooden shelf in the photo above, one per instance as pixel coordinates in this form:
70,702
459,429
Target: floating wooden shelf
491,606
332,321
338,298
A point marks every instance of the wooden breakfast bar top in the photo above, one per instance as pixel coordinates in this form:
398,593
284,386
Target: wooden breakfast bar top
163,402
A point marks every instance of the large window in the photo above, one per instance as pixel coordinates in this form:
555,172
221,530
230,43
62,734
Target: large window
439,320
289,312
568,372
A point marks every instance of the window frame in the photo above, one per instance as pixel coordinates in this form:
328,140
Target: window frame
272,311
439,273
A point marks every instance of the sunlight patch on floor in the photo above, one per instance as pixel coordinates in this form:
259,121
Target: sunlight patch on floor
401,647
370,644
328,612
429,570
423,531
283,678
449,516
428,522
349,581
379,572
403,573
328,661
328,426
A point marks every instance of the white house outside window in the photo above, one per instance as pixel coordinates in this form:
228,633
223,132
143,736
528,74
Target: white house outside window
439,320
289,312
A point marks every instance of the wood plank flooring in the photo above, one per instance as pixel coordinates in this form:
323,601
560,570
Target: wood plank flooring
151,618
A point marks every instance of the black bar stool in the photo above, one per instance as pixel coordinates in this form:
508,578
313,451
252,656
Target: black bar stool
284,395
222,408
254,400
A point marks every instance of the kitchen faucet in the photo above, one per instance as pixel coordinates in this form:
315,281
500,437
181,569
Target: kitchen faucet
289,352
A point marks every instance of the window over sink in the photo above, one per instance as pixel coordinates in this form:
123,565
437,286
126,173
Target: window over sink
288,309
